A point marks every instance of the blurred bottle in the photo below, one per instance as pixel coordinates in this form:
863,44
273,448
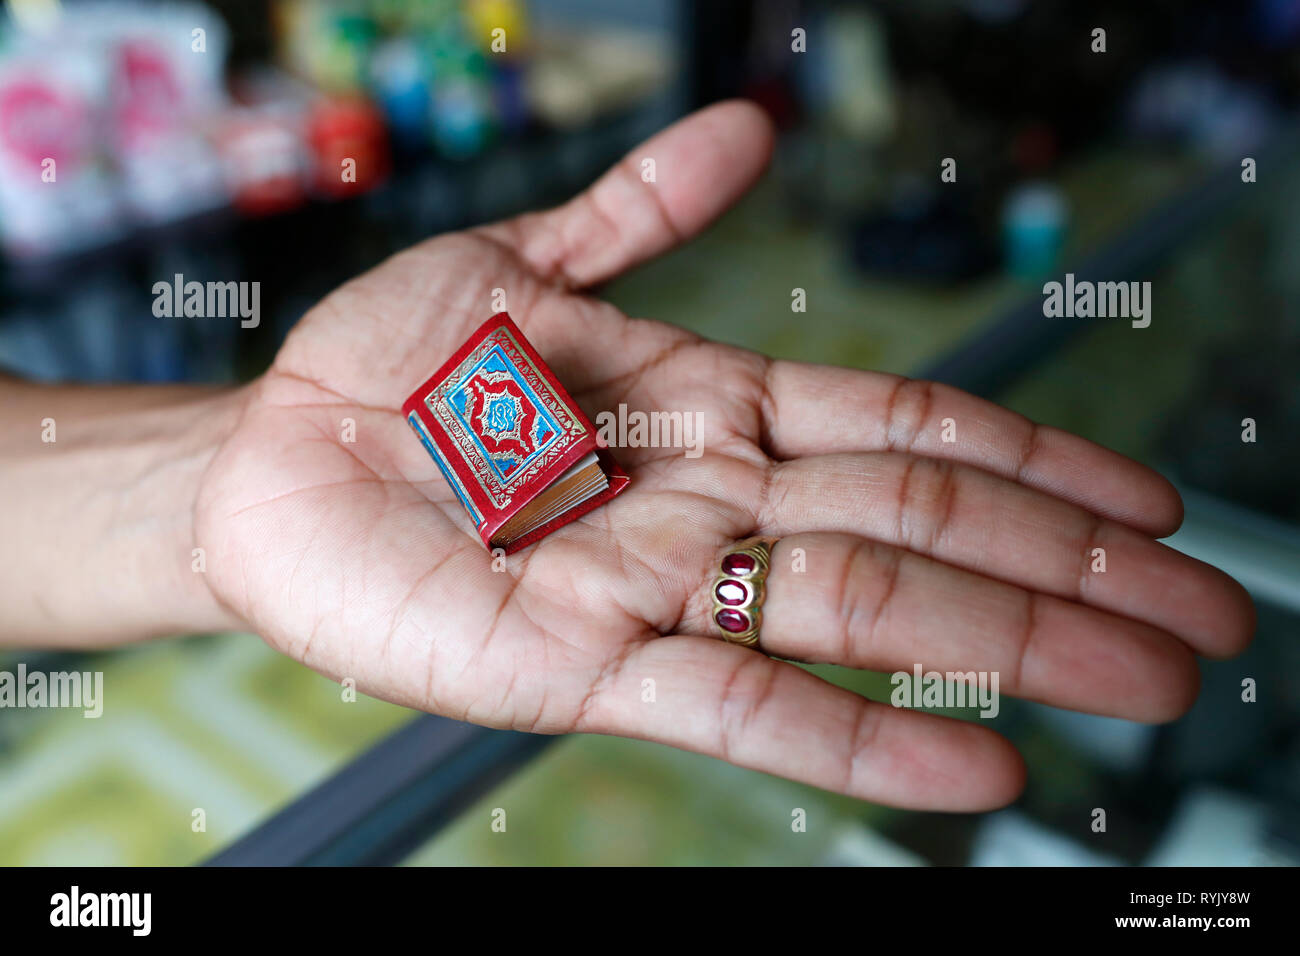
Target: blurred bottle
461,109
56,191
400,79
166,78
1034,222
326,43
262,141
349,146
500,29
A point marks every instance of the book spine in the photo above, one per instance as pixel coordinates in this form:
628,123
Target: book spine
445,468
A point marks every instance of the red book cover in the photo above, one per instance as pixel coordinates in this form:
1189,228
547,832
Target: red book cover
502,429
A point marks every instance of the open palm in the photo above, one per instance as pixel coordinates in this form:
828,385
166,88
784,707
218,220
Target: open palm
354,556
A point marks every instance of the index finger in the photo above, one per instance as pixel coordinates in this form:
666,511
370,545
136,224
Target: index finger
817,410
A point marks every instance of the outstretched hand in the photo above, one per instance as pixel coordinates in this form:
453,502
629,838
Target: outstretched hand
357,559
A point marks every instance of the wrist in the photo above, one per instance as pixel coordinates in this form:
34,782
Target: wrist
100,544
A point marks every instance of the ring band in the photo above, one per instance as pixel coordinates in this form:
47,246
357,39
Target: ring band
739,589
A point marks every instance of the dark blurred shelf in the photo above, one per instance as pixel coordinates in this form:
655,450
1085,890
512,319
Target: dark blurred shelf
424,195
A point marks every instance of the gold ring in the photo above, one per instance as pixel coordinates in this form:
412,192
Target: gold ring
739,589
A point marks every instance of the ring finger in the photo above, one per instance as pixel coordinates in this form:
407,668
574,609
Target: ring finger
843,599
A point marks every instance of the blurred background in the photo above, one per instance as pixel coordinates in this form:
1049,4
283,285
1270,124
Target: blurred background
206,140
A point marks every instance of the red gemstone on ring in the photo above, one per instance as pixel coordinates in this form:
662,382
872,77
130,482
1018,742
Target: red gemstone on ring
734,622
731,592
739,564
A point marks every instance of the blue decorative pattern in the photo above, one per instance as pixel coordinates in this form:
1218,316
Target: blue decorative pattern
497,407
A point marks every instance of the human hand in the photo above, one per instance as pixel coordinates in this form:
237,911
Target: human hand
356,558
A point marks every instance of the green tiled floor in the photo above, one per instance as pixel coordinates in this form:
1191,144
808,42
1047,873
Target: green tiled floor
222,724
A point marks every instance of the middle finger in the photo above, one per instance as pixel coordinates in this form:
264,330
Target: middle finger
977,521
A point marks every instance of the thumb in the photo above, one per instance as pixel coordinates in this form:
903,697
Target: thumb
659,195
